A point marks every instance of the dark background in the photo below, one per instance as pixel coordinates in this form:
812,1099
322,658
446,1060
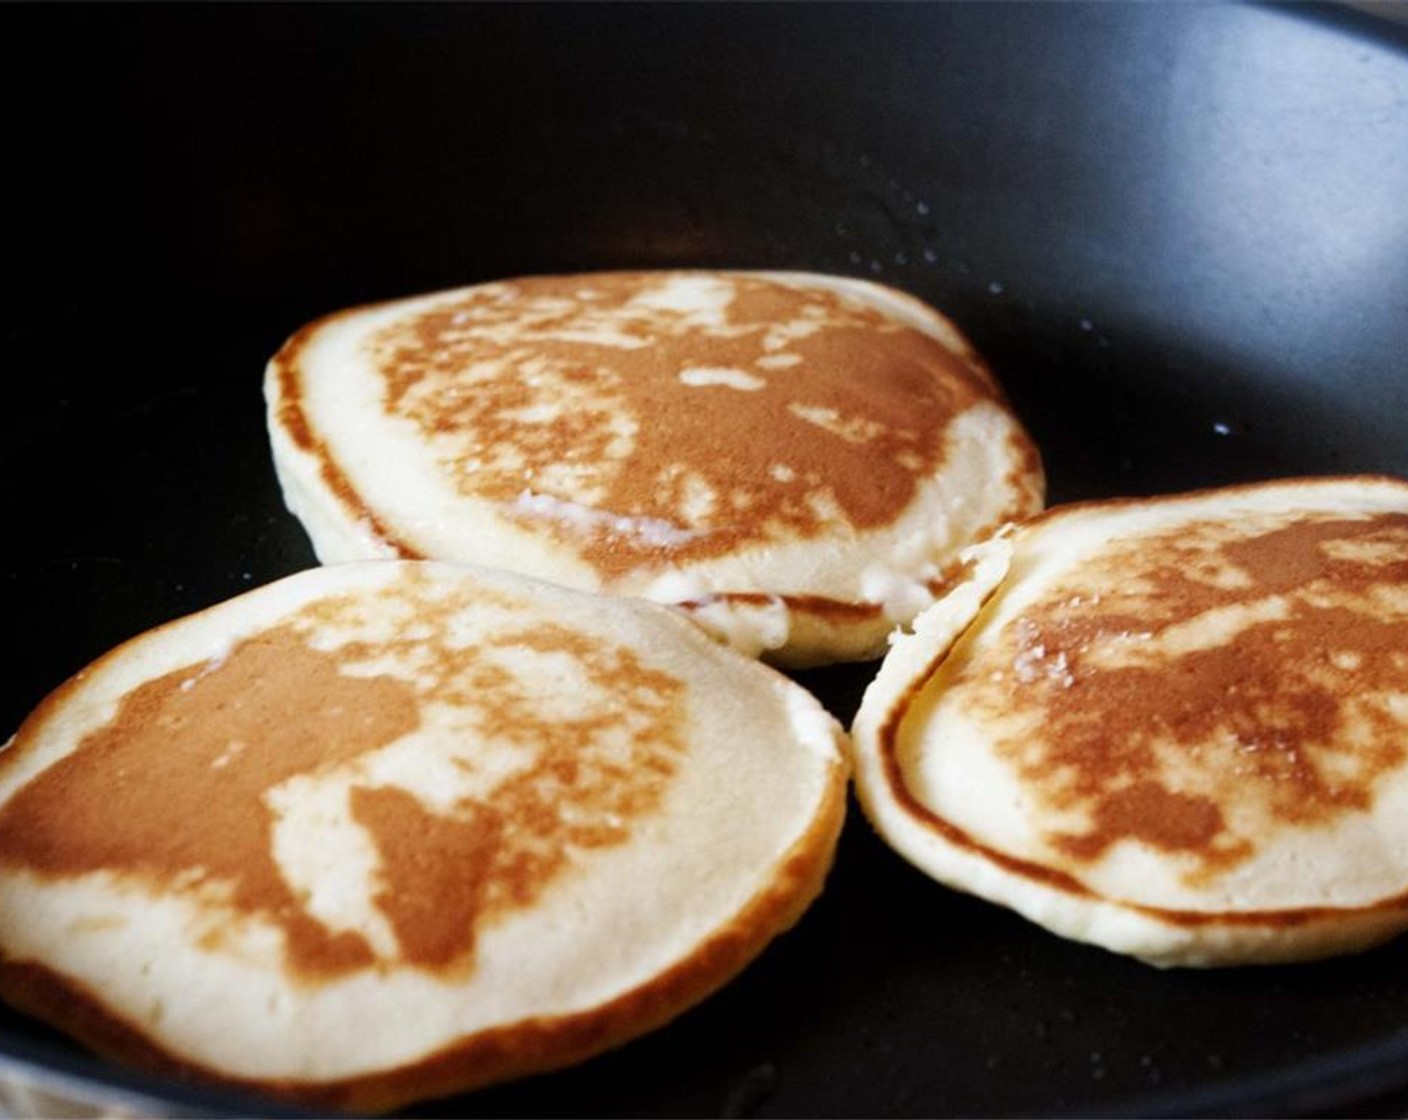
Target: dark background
1178,232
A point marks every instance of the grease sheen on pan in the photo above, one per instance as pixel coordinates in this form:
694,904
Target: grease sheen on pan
795,459
1176,728
388,830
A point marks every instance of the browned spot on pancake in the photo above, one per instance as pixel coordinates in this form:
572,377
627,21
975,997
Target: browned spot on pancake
434,869
574,796
518,397
1283,720
173,791
1148,812
170,790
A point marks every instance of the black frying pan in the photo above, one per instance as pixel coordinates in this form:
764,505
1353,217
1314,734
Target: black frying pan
1180,234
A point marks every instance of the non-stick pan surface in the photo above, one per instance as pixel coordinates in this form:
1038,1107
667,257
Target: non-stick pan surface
1180,233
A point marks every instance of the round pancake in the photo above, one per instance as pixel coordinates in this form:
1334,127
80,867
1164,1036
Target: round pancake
1176,728
793,459
388,830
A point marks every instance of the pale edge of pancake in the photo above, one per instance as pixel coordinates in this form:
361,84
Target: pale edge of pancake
847,615
1049,897
533,1044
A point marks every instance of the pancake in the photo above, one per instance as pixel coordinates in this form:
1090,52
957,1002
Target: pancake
1176,728
383,831
792,459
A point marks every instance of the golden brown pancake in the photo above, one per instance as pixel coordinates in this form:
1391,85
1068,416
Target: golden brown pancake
1177,728
390,830
793,459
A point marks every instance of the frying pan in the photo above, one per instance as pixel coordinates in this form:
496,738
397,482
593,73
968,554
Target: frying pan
1179,233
